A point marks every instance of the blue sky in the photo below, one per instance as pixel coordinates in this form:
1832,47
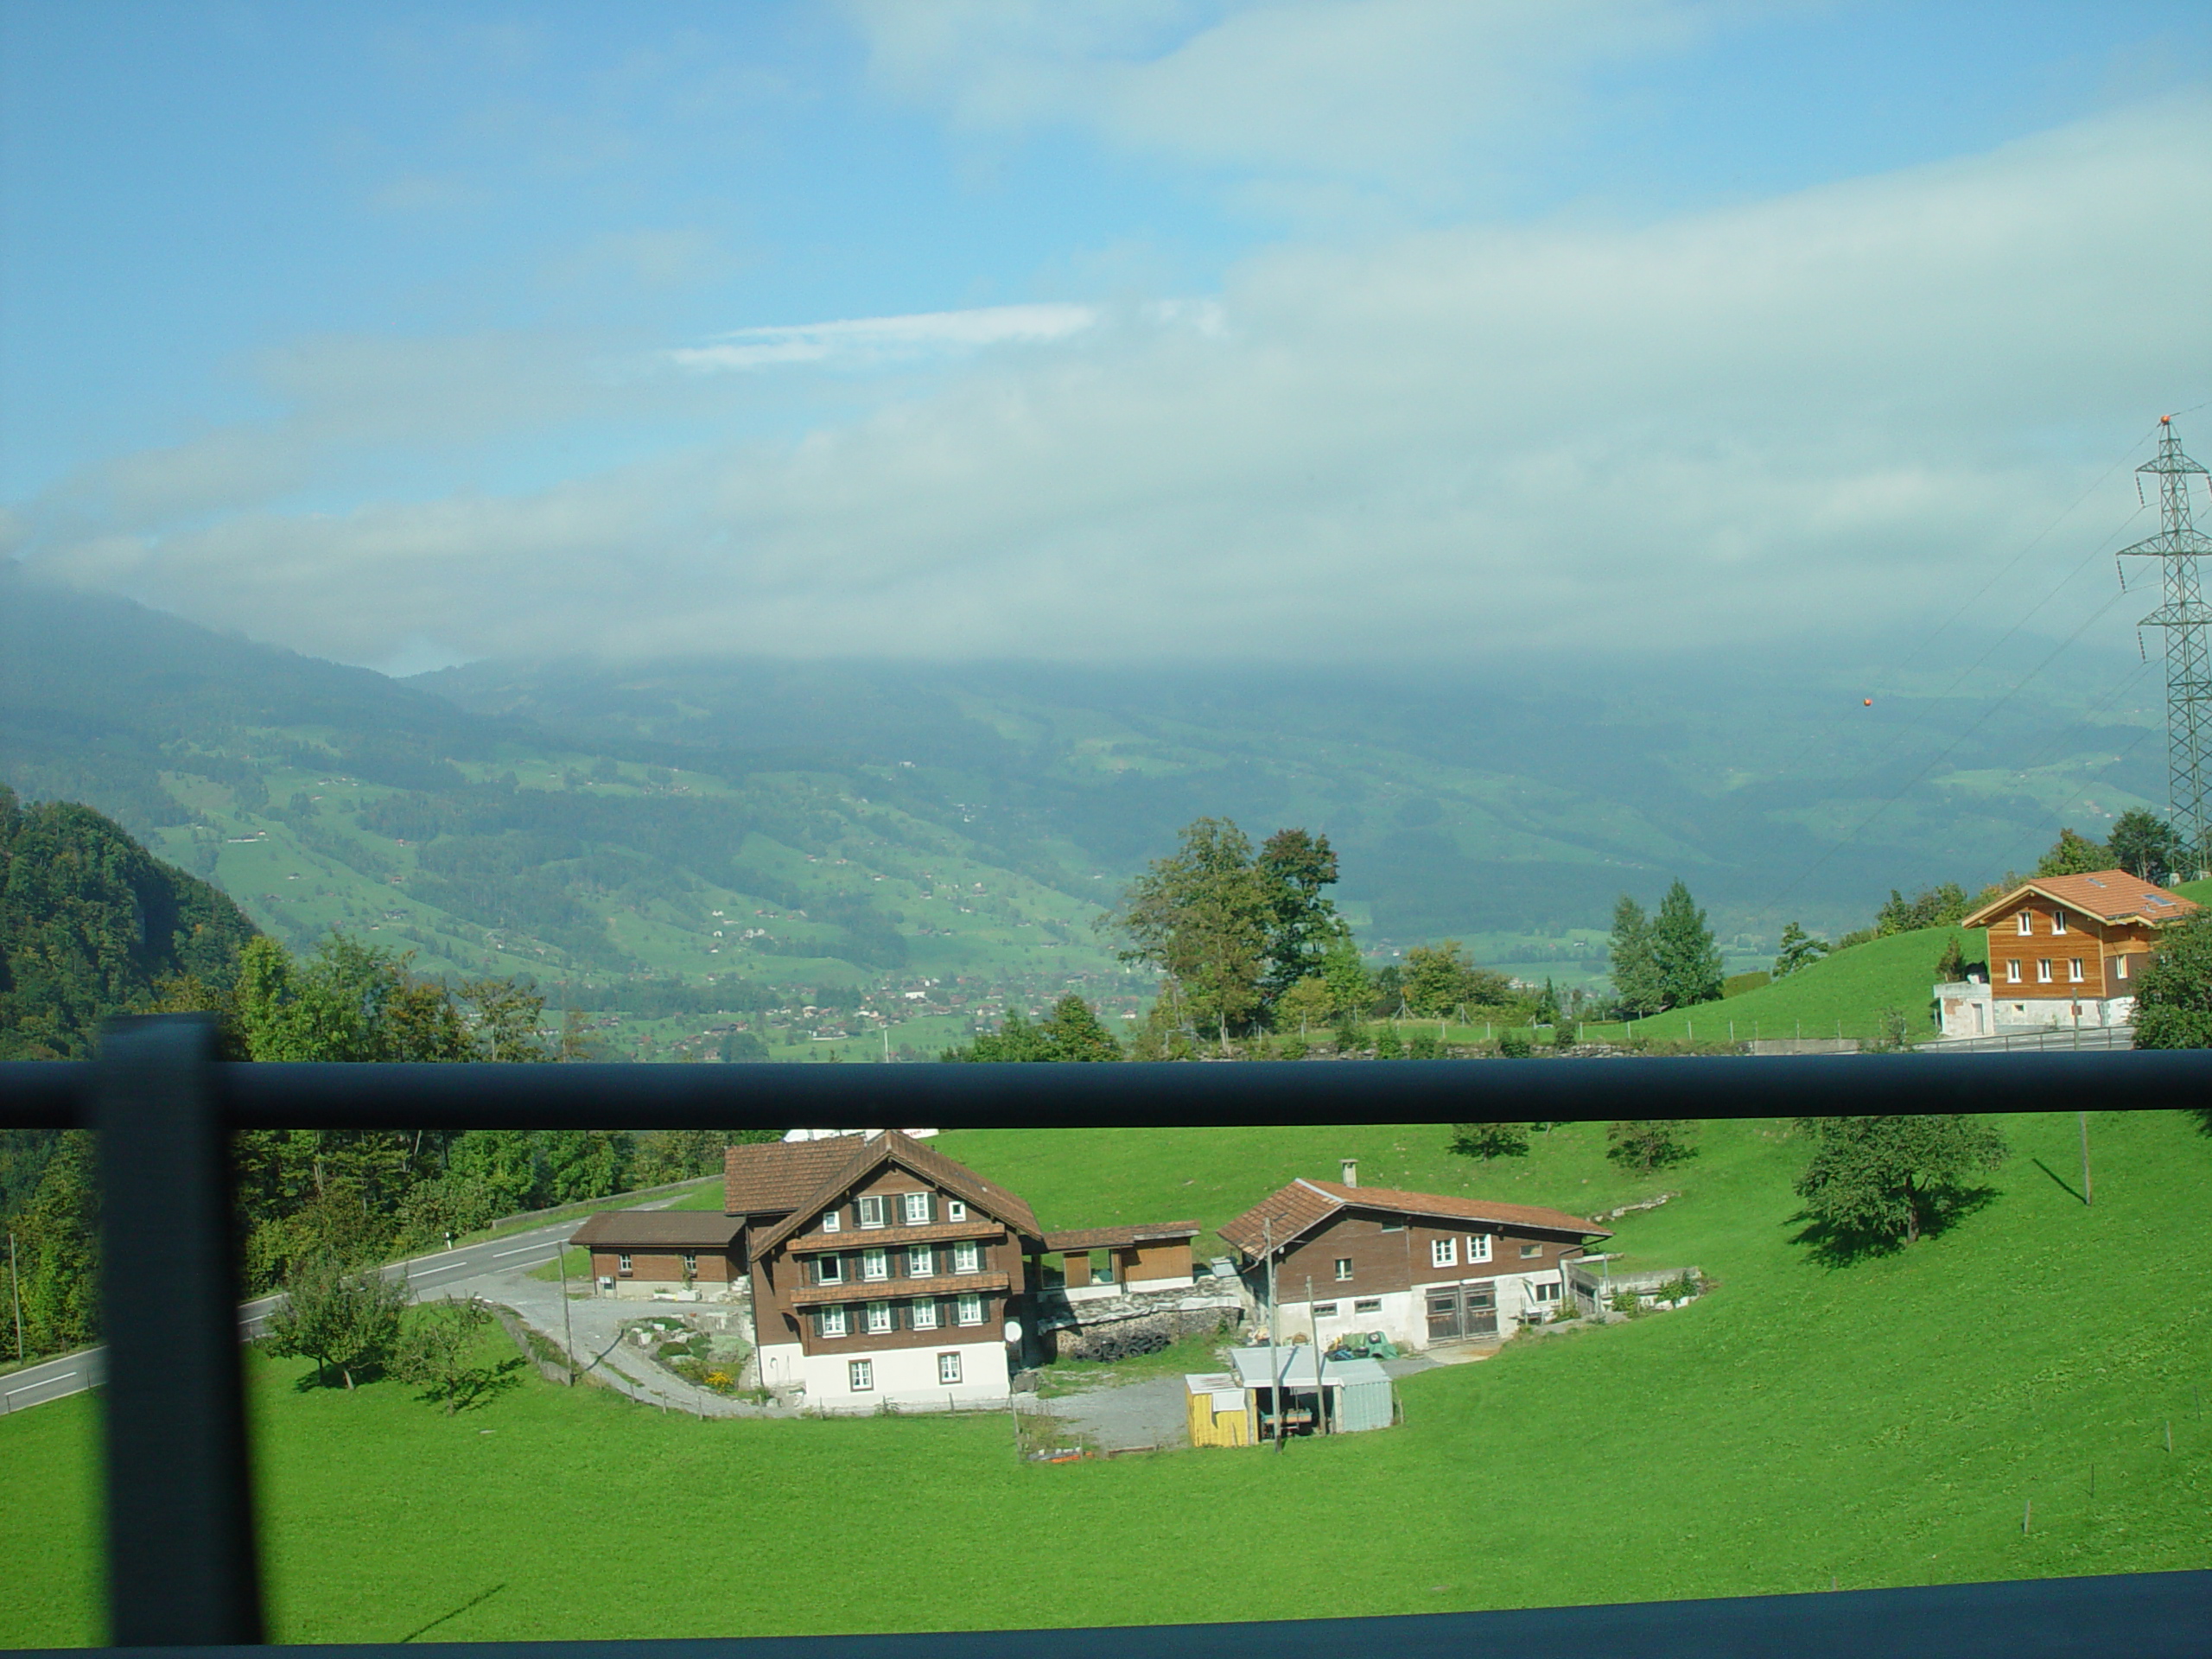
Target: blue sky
410,333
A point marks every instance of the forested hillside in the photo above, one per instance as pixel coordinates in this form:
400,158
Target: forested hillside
90,925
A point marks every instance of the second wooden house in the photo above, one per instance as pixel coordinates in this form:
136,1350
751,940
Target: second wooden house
1423,1268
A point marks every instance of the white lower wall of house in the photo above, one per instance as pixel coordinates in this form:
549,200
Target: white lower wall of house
1400,1318
783,1365
907,1376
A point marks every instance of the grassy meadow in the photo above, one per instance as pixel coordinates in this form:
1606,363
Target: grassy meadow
1881,1423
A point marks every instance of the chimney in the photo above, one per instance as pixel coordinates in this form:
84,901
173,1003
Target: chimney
1351,1171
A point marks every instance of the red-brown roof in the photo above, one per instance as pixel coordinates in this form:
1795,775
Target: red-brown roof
776,1177
1107,1238
660,1230
1304,1204
2108,895
861,1161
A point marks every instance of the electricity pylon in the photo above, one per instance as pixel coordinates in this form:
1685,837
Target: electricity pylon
2189,666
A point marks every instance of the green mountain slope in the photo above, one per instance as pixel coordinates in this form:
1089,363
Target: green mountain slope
89,923
679,836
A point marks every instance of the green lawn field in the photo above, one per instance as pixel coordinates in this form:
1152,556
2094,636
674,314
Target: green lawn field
1883,1423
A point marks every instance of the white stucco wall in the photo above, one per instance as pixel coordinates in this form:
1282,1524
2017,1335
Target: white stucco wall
907,1376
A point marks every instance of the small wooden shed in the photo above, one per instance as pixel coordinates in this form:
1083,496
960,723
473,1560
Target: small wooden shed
1217,1409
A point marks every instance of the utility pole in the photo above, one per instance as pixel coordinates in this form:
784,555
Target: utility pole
568,1332
2188,663
2088,1192
1274,1371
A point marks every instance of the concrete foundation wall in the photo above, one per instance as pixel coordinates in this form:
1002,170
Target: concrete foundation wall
908,1376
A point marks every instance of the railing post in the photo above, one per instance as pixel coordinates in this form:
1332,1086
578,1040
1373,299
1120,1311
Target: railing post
182,1563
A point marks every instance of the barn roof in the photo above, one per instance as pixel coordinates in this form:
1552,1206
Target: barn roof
2108,895
1107,1238
660,1230
1300,1207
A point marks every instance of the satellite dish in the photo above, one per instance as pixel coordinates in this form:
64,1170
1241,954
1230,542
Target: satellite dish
1014,1330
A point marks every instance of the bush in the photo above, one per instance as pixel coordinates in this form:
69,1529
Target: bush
1423,1046
1293,1048
1387,1046
1563,1036
1516,1045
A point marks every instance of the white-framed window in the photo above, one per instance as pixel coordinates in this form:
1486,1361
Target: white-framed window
2027,921
1324,1310
2043,970
924,1315
2059,921
971,1308
1528,1250
948,1369
831,1221
921,1261
691,1259
1547,1292
2074,970
829,1269
1343,1269
878,1320
622,1263
1367,1304
1478,1248
2012,972
859,1374
955,1210
871,1210
2119,967
1443,1252
915,1208
833,1321
968,1257
875,1264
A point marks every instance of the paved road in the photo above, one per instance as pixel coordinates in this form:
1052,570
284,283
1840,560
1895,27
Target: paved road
427,1278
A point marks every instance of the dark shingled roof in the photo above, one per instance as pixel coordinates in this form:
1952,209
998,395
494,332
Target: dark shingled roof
1107,1238
1304,1204
775,1177
660,1230
861,1161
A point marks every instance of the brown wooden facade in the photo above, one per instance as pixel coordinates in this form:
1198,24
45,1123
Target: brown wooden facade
2079,937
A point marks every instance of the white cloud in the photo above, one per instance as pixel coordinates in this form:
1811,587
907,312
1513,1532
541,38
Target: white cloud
1838,409
1373,90
869,341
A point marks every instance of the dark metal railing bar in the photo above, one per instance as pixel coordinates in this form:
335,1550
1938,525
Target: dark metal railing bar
56,1093
181,1565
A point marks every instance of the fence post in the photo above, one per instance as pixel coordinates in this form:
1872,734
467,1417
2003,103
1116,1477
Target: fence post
182,1564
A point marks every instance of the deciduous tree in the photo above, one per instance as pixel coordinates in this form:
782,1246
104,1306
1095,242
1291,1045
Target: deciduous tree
439,1353
2173,998
1684,957
1650,1143
1489,1140
2074,854
1887,1180
2144,845
343,1316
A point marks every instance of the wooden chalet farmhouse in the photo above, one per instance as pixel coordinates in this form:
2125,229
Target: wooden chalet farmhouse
882,1271
2064,951
1423,1268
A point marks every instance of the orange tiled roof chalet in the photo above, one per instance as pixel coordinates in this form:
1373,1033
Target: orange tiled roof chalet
1303,1204
2108,895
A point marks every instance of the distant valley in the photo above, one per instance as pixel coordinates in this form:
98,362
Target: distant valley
660,839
